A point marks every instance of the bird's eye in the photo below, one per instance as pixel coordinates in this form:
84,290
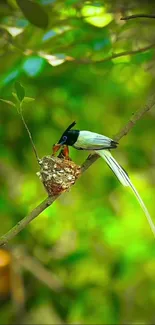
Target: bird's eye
64,137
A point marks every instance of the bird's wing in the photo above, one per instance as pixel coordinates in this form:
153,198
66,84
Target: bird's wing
125,180
93,141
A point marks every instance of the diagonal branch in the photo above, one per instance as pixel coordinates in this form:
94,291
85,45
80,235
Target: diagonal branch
113,56
125,130
137,16
26,220
135,118
89,161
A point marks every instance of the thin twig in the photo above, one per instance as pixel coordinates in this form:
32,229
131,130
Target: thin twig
89,161
113,56
30,136
137,16
109,58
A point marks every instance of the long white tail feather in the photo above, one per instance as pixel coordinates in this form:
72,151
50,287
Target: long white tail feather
125,180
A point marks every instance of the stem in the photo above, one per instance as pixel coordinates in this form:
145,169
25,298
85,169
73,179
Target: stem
30,136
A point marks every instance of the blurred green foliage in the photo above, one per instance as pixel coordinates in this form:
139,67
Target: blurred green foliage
94,239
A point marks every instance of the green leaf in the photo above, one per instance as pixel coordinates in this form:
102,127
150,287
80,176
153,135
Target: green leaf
15,96
8,102
27,100
34,13
20,91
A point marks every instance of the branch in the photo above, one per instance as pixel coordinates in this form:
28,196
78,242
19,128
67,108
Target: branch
113,56
135,118
109,58
137,16
89,161
26,220
125,130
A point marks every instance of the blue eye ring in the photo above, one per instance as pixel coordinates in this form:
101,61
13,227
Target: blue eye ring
64,137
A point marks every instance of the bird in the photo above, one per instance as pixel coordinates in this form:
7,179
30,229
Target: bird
100,144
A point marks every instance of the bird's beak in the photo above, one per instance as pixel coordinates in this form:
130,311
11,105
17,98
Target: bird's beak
56,147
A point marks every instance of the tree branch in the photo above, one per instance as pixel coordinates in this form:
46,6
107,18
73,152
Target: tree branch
124,131
135,118
137,16
113,56
108,58
89,161
26,220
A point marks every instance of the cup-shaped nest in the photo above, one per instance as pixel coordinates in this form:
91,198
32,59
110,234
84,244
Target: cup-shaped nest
58,174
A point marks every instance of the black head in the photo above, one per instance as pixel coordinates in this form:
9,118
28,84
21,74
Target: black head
69,137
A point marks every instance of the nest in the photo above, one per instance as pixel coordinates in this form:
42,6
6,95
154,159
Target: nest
58,174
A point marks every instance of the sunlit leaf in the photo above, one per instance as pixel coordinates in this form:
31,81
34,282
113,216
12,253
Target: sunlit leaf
15,96
121,59
98,15
14,31
34,13
54,60
27,100
20,91
7,102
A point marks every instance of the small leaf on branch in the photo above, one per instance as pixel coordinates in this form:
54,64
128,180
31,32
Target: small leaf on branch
15,96
20,91
27,100
8,102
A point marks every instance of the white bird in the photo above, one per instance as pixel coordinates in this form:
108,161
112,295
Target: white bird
86,140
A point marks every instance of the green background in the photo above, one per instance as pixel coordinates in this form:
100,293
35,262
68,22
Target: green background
94,240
